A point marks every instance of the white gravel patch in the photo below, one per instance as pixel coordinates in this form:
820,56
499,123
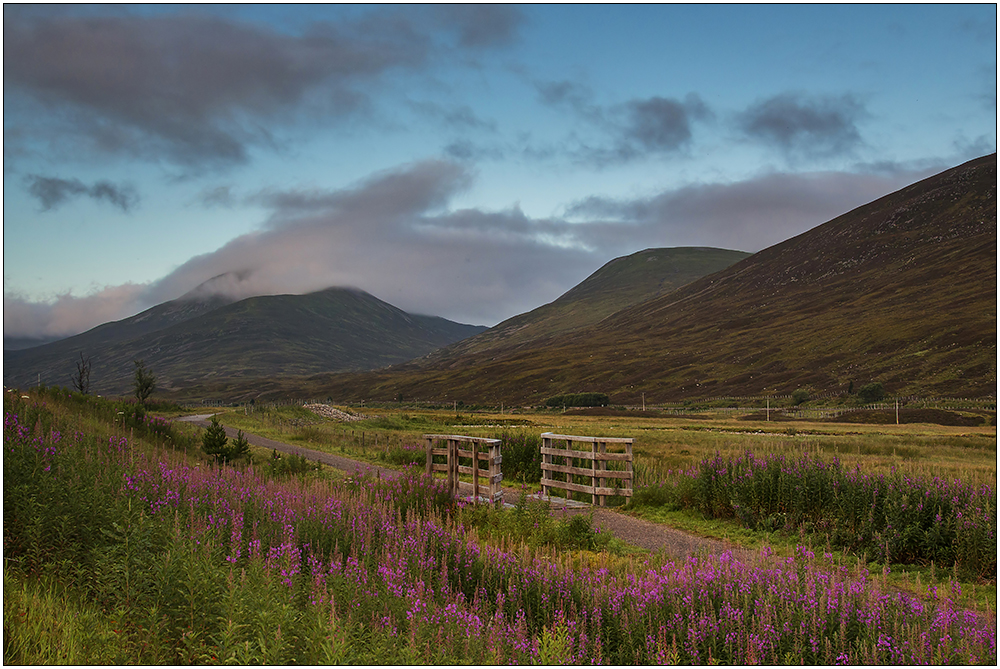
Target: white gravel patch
328,411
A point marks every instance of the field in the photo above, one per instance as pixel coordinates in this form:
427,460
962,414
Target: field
124,544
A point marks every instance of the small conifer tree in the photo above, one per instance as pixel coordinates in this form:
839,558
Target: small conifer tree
214,441
240,447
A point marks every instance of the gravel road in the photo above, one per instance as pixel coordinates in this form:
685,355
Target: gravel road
634,531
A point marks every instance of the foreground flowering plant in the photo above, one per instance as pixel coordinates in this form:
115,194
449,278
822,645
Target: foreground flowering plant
387,558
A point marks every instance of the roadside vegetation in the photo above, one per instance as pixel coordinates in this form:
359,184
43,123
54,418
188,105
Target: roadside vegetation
125,543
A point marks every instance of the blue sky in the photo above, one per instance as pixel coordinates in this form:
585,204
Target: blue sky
471,162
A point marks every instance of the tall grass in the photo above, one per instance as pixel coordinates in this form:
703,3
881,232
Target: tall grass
522,456
889,516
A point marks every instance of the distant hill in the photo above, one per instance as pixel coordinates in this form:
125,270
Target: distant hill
194,339
18,343
901,290
620,283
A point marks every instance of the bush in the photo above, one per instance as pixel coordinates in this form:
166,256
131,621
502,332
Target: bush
800,396
578,400
889,516
522,456
872,392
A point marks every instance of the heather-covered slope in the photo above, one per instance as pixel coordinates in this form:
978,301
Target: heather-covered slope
620,283
331,330
901,291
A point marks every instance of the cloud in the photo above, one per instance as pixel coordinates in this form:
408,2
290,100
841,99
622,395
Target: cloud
68,314
659,124
748,215
636,129
570,94
482,25
52,192
218,196
395,235
459,117
197,90
795,123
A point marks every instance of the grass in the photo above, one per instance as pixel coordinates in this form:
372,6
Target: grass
46,623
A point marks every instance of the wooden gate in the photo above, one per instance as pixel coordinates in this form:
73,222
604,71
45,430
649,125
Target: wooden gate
598,472
477,450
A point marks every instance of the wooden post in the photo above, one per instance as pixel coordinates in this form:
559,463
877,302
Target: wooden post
628,467
496,478
546,474
593,476
452,457
601,465
430,458
475,470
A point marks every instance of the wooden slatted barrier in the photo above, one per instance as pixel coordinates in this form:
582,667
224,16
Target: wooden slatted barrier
478,449
598,472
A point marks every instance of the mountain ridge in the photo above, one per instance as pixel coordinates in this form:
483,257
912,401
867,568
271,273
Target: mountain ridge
188,340
620,282
901,290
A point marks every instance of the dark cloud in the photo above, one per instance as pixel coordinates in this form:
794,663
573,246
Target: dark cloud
663,125
468,151
52,192
637,129
482,25
219,196
459,117
199,90
570,94
811,125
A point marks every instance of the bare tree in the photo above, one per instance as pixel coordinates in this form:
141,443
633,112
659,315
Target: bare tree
81,380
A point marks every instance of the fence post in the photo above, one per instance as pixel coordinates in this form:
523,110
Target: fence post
599,466
475,470
430,458
496,497
546,474
593,476
630,481
452,464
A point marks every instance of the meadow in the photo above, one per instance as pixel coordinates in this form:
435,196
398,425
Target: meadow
124,544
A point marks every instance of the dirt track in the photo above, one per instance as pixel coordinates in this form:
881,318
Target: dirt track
634,531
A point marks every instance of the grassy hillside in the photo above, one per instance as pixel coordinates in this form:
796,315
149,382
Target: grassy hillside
900,291
334,329
620,283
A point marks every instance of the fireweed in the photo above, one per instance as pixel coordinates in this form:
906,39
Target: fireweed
890,517
265,571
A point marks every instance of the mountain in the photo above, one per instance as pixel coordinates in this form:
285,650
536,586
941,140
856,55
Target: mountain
901,291
18,343
619,283
190,340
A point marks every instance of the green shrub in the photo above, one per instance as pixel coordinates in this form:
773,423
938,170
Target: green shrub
872,392
578,400
522,456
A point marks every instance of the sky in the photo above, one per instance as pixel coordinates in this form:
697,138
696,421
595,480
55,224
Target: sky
465,161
